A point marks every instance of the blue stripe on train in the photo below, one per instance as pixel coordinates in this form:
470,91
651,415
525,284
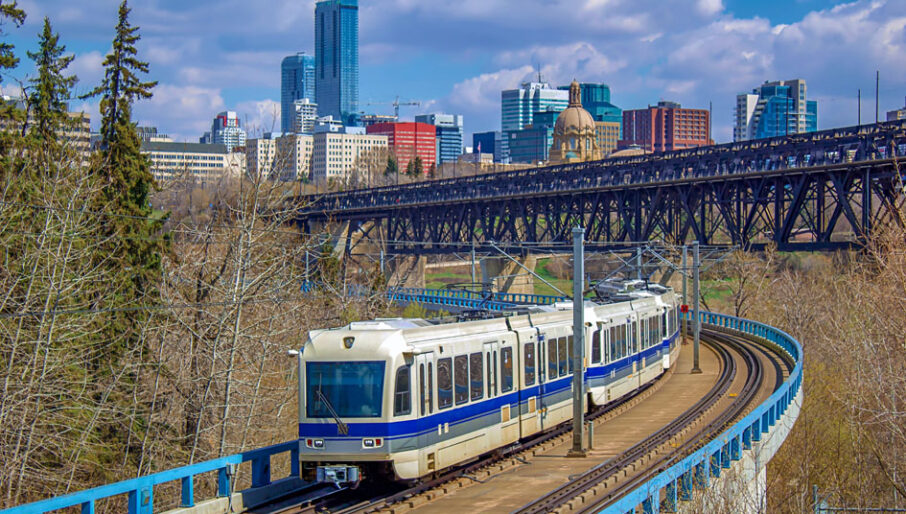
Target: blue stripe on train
457,415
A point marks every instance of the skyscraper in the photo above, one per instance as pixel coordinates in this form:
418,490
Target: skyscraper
226,131
337,58
775,109
449,135
518,106
297,79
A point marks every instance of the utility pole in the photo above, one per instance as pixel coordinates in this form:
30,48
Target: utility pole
638,263
696,265
685,280
473,262
578,449
877,92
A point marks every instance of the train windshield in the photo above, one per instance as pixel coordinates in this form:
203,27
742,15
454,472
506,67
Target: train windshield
344,389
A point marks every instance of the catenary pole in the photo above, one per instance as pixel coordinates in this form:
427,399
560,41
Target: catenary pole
696,265
578,449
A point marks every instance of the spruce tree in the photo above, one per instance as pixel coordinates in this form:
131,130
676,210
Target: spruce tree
135,231
418,168
8,59
50,89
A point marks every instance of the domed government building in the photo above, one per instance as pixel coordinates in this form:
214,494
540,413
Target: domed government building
575,137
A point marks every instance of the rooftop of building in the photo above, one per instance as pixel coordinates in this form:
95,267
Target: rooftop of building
158,146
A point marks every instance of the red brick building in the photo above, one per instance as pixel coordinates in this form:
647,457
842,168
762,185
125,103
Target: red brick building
408,139
666,127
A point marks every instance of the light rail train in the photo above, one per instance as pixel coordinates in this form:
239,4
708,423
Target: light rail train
404,399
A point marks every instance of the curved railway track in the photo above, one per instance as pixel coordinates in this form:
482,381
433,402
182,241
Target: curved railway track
649,456
743,403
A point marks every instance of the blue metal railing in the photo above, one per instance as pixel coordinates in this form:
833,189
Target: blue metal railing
141,489
696,470
452,297
679,480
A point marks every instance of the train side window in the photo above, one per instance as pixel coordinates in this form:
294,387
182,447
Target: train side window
562,356
430,388
461,378
552,358
496,376
529,364
664,328
596,346
444,383
635,337
614,355
506,372
423,387
569,353
475,376
489,368
402,398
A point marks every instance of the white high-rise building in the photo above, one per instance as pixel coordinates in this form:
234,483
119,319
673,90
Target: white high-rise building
292,160
306,116
518,106
226,130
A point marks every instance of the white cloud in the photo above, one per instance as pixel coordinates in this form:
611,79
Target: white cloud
185,112
259,116
709,7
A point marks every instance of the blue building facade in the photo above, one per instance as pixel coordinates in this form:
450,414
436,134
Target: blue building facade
297,81
337,58
449,133
775,109
596,100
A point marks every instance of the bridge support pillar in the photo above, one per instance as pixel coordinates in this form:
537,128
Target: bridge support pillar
509,277
407,271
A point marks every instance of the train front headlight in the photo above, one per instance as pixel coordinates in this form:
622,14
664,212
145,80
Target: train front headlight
372,442
317,444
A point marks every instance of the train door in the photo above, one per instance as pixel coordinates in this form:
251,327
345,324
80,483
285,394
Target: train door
428,429
528,393
491,354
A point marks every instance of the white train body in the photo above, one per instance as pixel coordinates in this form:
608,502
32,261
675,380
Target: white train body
414,398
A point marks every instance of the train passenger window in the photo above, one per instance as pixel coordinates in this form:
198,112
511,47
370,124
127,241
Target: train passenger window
490,392
562,355
402,398
614,354
461,378
596,346
430,388
423,388
495,373
506,370
444,383
551,358
569,353
476,384
635,337
663,326
529,364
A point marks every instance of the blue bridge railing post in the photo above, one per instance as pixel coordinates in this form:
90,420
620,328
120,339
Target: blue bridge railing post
188,491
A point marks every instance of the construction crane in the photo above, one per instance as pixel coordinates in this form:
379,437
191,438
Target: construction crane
396,105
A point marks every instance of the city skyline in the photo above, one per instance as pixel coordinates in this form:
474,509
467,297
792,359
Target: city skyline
211,59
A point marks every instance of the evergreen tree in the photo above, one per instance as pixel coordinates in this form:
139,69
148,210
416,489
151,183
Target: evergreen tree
8,59
432,171
392,167
50,89
418,168
136,239
410,169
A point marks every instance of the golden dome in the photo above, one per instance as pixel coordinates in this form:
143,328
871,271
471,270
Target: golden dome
574,117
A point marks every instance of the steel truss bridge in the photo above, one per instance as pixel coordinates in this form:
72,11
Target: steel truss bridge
819,191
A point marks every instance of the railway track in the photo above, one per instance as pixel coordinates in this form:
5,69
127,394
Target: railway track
366,500
649,456
652,462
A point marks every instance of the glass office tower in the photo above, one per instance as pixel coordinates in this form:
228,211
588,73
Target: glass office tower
337,58
297,81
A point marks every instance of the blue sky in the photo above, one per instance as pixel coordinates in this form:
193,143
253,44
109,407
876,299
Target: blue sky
456,56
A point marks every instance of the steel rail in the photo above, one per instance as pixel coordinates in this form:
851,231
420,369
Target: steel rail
598,474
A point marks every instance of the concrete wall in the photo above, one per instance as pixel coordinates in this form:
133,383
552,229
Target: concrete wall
507,276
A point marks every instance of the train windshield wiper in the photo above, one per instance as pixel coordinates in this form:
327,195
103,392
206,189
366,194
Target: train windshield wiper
342,428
